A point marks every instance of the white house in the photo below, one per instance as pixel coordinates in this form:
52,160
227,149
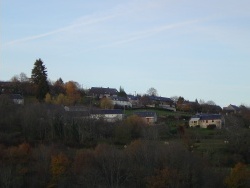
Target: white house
121,102
204,120
112,115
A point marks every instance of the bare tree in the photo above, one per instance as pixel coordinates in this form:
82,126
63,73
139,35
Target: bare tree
15,79
23,77
174,98
201,101
210,102
152,92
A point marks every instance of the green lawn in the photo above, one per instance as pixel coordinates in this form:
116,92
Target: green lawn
214,144
159,112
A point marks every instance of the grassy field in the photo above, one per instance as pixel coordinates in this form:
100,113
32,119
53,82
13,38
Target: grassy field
159,112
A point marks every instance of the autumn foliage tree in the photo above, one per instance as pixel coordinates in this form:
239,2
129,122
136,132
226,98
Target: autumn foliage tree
106,103
59,167
135,125
48,98
68,93
72,92
164,178
14,165
239,177
58,87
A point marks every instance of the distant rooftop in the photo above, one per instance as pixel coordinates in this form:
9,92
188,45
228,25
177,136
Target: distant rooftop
207,116
101,90
156,98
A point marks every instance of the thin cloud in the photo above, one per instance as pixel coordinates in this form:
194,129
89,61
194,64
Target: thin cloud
89,20
119,10
151,32
67,28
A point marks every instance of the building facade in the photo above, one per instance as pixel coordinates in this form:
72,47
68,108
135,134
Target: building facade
107,115
206,120
149,117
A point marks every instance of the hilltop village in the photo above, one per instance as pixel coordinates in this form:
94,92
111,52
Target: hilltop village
56,134
112,105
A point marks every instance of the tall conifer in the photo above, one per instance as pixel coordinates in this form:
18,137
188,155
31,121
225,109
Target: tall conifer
39,78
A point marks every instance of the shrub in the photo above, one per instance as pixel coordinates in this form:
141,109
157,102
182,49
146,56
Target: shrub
211,126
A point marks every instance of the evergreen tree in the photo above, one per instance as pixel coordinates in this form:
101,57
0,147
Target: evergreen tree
122,93
39,78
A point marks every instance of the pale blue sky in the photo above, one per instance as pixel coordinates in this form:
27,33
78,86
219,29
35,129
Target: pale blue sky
195,49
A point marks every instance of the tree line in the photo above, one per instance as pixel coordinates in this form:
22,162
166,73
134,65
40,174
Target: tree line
71,92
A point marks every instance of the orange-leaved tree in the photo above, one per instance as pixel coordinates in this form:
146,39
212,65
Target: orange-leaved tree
164,178
72,91
239,177
59,167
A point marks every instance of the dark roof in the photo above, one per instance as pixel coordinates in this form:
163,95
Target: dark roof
231,108
145,114
208,116
112,111
132,97
77,114
235,107
119,98
100,90
164,99
190,102
2,83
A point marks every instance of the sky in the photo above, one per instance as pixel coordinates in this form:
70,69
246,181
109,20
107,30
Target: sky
195,49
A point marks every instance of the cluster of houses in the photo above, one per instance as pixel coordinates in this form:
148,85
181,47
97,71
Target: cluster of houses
150,117
120,104
110,115
131,101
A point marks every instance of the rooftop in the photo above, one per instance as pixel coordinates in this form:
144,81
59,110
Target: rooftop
100,90
106,111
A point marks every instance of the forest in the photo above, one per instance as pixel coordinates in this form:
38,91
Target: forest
42,145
